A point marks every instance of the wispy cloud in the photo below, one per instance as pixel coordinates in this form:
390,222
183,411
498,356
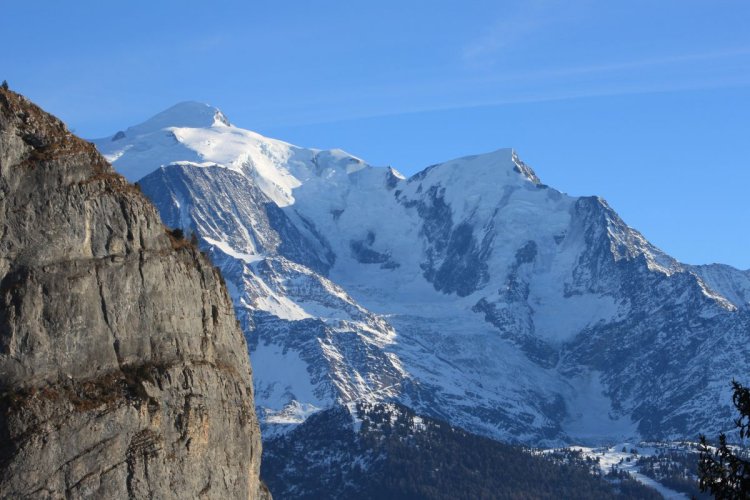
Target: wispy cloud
528,98
643,76
503,35
592,69
516,23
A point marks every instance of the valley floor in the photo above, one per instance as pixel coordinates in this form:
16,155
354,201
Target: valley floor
652,464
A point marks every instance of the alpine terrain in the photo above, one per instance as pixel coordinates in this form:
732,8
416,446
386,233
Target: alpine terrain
470,292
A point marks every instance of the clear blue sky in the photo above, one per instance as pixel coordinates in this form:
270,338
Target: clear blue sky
646,103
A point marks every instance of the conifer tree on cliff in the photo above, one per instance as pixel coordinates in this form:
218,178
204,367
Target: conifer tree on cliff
722,471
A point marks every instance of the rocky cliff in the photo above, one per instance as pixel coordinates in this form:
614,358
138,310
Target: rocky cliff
123,371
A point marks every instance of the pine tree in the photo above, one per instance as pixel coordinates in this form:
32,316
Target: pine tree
723,472
5,85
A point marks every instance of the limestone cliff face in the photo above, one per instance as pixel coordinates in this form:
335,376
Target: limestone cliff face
123,372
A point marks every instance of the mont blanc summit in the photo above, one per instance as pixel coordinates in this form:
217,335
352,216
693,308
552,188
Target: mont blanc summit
470,291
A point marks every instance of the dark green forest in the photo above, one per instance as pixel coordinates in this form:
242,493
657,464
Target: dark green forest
396,455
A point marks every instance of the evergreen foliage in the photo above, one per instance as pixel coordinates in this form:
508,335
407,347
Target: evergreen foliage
725,471
396,454
676,468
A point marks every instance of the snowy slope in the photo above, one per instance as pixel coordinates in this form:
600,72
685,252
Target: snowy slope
727,281
470,291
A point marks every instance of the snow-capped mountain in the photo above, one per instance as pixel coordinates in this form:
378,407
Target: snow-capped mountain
470,291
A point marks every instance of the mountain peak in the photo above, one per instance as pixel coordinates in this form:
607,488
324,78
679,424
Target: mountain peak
502,162
523,168
187,114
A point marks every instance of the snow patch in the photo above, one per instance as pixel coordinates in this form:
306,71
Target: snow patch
591,417
226,248
285,392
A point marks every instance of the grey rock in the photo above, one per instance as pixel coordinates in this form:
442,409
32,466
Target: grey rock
177,189
123,371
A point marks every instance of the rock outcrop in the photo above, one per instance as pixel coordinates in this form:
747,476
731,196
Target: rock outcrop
123,371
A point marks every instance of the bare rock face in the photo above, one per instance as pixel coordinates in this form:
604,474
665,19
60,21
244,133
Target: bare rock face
123,372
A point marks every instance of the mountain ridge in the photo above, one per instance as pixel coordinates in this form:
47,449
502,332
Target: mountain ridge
509,299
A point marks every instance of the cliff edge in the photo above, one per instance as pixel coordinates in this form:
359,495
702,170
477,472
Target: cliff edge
123,372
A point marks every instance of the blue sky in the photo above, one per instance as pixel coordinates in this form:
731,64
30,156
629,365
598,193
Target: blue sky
646,103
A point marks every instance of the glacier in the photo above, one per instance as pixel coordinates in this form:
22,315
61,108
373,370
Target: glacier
470,292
